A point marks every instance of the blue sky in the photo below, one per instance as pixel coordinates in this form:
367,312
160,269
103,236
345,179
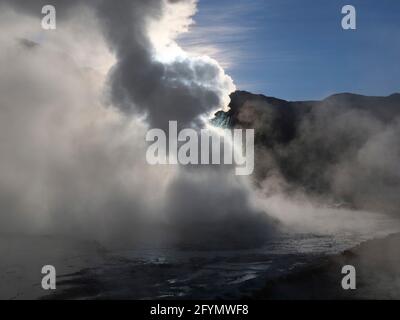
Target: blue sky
297,49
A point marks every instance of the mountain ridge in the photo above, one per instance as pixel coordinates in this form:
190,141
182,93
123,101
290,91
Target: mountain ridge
346,146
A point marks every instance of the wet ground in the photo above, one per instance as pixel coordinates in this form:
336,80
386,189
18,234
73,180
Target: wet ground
85,270
176,274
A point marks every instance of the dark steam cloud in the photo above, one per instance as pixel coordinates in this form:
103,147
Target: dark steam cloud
179,90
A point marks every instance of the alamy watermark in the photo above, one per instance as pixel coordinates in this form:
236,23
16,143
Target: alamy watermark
349,280
49,20
203,147
349,20
49,279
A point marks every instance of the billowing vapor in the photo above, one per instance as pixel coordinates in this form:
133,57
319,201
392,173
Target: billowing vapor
153,75
324,165
75,105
